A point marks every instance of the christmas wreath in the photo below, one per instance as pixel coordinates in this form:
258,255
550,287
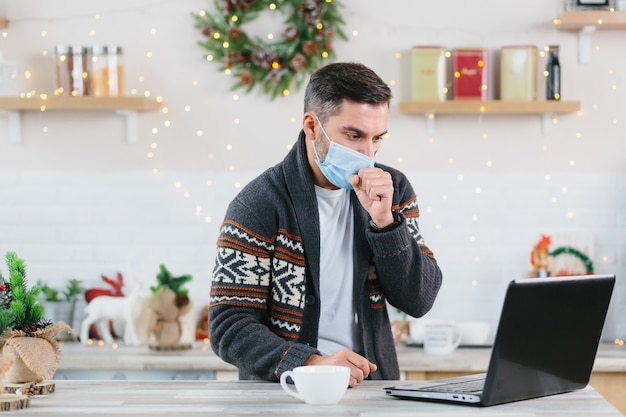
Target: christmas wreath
274,64
588,263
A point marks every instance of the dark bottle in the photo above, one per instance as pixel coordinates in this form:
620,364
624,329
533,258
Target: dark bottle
553,74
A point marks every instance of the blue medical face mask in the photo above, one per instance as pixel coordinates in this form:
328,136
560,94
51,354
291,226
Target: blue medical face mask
341,162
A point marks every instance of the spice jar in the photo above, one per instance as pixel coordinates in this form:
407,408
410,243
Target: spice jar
106,71
72,74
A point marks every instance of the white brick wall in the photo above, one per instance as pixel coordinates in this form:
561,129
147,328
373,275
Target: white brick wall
83,224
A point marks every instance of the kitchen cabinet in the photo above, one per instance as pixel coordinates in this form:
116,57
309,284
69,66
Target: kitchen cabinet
128,107
586,23
546,108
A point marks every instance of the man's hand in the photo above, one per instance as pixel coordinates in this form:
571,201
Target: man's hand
360,367
374,188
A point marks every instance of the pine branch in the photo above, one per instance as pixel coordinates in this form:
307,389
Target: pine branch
19,303
166,279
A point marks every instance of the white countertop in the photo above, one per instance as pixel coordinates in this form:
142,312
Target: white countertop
76,356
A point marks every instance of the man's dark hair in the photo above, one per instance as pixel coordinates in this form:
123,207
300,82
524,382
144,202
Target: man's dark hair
330,85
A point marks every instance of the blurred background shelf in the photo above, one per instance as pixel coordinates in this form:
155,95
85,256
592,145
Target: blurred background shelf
586,23
489,107
601,20
129,107
79,103
542,107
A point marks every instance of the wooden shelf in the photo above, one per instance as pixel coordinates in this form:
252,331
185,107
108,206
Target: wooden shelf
587,22
544,107
601,20
79,103
488,107
124,106
4,23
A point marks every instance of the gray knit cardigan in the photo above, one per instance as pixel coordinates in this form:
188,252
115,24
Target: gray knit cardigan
264,308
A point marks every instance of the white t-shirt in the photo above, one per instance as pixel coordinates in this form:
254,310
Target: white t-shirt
338,317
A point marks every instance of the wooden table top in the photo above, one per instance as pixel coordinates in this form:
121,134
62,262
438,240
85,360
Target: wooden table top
247,398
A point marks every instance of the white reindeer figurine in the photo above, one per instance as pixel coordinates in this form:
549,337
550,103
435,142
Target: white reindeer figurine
103,309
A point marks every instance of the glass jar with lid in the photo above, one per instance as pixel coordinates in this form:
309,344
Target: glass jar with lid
72,75
106,71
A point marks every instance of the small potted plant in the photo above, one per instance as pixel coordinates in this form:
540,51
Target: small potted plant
61,306
25,335
169,304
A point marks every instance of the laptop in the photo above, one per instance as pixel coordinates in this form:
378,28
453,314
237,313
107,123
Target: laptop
545,344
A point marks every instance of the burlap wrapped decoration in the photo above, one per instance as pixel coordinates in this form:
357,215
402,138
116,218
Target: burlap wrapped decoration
5,365
168,307
8,400
36,356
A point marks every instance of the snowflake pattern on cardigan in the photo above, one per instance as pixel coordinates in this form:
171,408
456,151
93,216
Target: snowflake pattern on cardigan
244,277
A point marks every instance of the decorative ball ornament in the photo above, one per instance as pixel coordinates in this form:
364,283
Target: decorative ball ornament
288,55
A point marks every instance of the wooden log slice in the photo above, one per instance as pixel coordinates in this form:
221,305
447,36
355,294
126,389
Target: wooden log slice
29,388
9,402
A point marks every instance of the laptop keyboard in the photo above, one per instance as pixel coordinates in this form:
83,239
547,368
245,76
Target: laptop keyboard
474,385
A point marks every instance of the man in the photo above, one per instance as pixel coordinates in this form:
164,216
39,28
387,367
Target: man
311,250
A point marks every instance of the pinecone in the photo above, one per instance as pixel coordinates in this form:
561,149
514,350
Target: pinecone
243,5
298,62
310,48
181,300
264,59
43,323
246,78
29,328
291,33
234,34
311,12
208,31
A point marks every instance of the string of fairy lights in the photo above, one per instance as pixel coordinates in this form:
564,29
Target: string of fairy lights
200,210
484,135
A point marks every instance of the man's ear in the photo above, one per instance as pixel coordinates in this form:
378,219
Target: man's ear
309,125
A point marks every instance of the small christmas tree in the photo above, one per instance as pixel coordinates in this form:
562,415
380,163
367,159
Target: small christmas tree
19,308
25,336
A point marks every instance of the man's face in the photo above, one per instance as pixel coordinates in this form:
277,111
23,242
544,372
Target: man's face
359,126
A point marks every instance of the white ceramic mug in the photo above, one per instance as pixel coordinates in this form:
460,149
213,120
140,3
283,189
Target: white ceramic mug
441,338
475,333
417,328
323,384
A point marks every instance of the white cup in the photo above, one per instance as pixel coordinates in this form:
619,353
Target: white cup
441,338
475,333
323,384
417,329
